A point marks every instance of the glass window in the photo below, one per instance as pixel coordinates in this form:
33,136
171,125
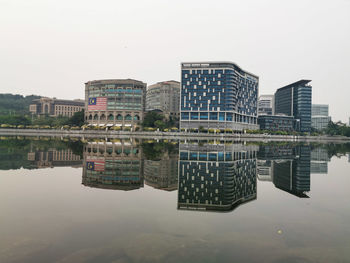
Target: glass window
221,116
194,115
213,115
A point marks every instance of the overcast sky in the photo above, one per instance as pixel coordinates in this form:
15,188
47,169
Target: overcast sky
51,47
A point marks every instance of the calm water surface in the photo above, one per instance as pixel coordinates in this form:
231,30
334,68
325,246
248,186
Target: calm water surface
178,201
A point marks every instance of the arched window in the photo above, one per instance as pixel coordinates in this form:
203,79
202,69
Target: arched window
90,117
128,117
46,110
119,117
95,117
136,118
110,117
103,117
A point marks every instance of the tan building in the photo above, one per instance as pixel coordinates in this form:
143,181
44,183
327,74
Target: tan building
164,96
115,102
54,157
55,107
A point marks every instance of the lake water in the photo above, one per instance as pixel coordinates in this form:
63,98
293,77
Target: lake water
173,201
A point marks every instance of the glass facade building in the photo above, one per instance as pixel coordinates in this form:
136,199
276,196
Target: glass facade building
320,118
295,100
266,105
218,95
276,123
115,102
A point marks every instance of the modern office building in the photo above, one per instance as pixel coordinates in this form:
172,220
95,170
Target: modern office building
218,95
113,165
276,122
115,102
165,97
216,177
319,117
54,107
264,170
295,100
266,105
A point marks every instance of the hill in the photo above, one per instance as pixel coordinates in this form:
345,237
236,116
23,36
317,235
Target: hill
15,104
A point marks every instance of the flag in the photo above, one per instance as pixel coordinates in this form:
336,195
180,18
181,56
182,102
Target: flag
95,165
98,103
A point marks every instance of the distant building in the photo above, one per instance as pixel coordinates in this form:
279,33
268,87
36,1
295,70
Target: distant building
115,102
117,165
164,96
265,170
276,122
266,105
320,117
54,107
295,100
319,161
162,174
216,177
54,158
218,95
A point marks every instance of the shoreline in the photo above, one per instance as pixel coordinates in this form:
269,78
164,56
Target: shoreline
168,135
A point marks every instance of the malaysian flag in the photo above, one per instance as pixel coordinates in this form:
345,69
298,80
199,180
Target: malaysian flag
98,103
95,165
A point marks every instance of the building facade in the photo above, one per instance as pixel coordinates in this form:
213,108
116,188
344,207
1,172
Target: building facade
115,102
295,100
320,117
218,95
54,107
266,105
276,122
164,96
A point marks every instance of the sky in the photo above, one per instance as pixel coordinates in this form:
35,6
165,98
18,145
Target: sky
52,47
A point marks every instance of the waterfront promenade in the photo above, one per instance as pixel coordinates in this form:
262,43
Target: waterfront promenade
168,135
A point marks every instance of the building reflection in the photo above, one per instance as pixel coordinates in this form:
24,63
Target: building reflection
288,167
113,165
319,161
216,177
162,173
54,158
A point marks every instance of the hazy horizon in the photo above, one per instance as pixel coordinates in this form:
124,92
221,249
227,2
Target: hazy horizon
51,48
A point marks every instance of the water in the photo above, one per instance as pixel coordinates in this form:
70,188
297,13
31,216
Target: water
173,201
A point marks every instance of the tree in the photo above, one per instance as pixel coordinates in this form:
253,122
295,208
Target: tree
77,119
150,119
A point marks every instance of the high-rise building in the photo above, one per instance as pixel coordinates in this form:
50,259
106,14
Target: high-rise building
320,118
164,96
115,102
295,100
266,105
54,107
218,95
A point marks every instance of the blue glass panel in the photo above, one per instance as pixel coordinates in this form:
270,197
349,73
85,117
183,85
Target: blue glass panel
204,116
213,116
194,115
221,116
185,116
229,116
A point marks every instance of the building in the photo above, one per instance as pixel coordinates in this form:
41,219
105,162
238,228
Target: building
216,177
319,116
266,105
290,167
295,100
162,174
218,95
319,161
53,158
115,102
264,170
165,97
276,122
55,107
113,165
